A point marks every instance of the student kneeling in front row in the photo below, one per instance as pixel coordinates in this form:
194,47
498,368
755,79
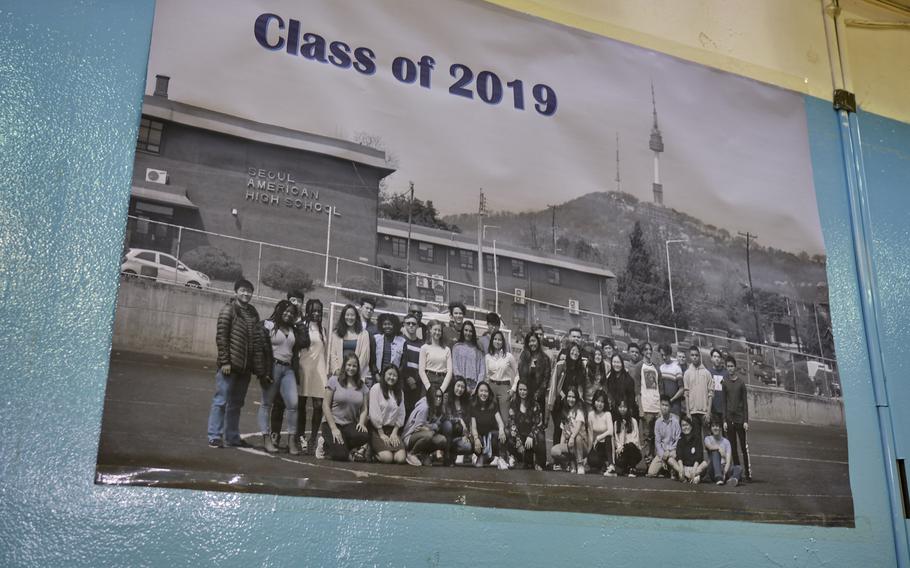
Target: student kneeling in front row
721,469
666,436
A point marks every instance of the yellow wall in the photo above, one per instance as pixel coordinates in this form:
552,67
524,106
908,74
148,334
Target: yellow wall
781,42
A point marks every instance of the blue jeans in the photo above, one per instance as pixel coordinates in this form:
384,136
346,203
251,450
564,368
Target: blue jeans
237,386
216,414
716,468
283,381
224,416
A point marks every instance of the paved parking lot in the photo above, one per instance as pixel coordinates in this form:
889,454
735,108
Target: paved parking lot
153,433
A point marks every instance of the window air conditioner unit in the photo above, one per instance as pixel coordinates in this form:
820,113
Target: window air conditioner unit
155,176
422,282
573,307
520,296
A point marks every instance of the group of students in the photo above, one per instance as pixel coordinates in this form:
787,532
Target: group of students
405,391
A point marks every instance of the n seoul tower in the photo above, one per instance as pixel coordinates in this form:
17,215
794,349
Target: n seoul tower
657,146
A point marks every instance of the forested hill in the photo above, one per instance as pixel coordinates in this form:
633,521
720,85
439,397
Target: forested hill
596,227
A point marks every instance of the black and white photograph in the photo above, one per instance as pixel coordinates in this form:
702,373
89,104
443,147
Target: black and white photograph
449,253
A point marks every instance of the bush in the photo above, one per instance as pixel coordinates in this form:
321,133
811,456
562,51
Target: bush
284,276
366,285
213,262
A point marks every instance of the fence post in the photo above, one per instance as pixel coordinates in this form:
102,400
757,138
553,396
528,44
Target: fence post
648,332
259,271
177,253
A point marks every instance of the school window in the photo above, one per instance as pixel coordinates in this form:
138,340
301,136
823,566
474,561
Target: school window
399,247
425,252
553,276
489,304
519,314
489,263
466,259
149,135
518,268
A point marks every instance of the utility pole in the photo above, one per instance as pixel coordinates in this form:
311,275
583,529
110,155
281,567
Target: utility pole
407,270
553,222
481,211
749,236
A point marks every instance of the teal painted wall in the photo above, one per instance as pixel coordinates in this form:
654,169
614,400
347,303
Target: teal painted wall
71,81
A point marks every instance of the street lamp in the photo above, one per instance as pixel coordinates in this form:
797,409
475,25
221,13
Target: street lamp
495,268
670,284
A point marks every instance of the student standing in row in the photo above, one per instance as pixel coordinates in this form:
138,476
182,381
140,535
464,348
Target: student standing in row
620,387
365,309
349,337
239,343
736,416
501,370
389,344
412,386
649,401
314,372
595,377
435,364
719,374
699,389
452,332
494,322
534,368
281,346
467,358
671,376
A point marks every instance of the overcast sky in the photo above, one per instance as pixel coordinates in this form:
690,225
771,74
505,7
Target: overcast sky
736,151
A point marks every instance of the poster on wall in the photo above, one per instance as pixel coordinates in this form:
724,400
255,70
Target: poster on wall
451,253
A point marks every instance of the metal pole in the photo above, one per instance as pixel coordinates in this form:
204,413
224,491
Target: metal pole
328,242
670,285
177,256
480,266
818,332
259,268
407,270
495,278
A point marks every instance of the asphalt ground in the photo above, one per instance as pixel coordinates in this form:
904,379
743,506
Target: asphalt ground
154,433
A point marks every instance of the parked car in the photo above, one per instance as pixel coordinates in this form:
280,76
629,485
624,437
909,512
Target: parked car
162,267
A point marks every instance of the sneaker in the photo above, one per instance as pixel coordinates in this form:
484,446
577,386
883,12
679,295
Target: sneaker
503,465
734,482
238,444
459,459
216,443
720,482
320,448
611,469
478,461
696,480
511,462
609,473
412,459
632,474
557,467
276,439
538,468
580,469
304,447
268,443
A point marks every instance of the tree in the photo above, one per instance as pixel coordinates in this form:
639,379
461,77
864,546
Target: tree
395,206
641,291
